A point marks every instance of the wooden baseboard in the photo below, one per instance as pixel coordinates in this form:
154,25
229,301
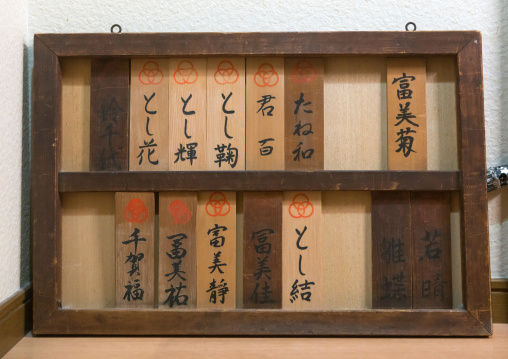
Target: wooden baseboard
499,300
15,318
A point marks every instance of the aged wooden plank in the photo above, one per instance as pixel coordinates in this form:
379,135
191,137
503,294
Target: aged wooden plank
135,237
302,251
304,114
262,250
355,104
75,147
177,250
46,230
267,43
149,119
109,115
347,250
262,181
431,250
88,249
225,127
391,250
476,256
264,145
187,114
268,322
407,114
216,250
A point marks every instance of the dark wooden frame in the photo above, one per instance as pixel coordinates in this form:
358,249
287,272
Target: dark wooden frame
49,318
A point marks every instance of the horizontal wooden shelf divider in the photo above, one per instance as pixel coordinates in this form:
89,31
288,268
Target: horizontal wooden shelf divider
264,322
260,181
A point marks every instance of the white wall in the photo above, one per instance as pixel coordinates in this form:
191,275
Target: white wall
13,28
488,16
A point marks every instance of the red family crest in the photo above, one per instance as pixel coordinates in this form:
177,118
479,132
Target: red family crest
301,207
217,205
226,73
135,211
150,74
185,73
304,72
180,212
266,76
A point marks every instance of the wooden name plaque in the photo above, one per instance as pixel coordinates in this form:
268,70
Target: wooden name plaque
328,183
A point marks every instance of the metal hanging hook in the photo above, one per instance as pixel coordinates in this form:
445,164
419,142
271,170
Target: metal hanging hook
409,24
116,26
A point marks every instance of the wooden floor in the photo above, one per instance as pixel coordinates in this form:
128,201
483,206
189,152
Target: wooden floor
210,348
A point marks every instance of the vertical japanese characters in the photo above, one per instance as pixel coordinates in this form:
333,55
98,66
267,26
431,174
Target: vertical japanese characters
109,115
407,120
391,250
226,114
302,284
265,114
216,250
177,250
304,114
134,249
431,249
187,114
262,250
149,134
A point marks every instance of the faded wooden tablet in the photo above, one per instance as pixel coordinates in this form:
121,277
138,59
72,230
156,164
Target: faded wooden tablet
304,110
226,114
187,114
265,113
391,250
262,250
302,257
149,124
216,250
135,237
109,115
431,250
177,250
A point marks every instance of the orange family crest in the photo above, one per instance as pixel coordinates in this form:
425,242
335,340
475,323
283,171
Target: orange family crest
185,73
266,76
226,73
135,211
150,74
303,72
301,207
217,205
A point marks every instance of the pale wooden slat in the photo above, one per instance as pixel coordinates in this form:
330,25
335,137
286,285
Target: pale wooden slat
304,110
302,260
88,250
406,97
225,93
347,259
75,149
135,218
216,218
265,113
187,114
149,77
355,113
177,250
442,148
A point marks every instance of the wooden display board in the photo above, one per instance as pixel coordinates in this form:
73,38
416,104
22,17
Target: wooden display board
260,184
